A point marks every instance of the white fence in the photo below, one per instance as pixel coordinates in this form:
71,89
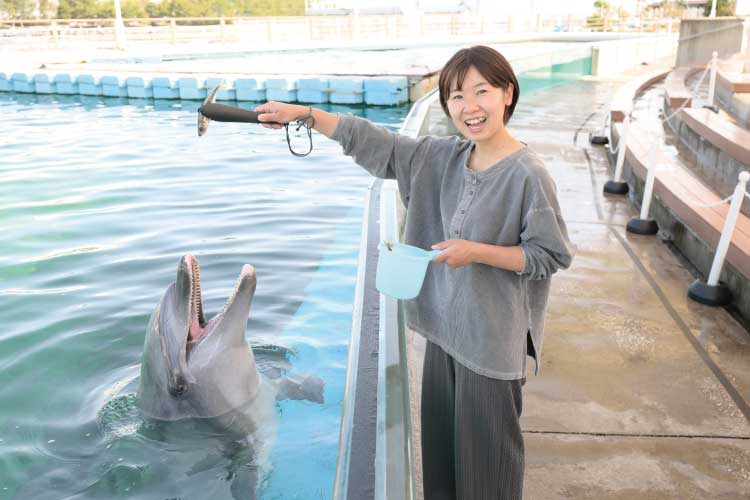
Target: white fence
253,31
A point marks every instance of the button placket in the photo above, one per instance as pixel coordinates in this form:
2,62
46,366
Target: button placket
463,206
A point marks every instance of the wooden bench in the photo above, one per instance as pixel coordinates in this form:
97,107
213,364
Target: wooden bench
730,74
731,77
622,101
678,189
723,134
737,83
677,92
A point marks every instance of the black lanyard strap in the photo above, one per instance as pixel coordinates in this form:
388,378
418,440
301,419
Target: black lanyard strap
302,122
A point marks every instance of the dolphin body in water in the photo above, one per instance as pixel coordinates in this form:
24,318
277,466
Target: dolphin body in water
193,368
212,410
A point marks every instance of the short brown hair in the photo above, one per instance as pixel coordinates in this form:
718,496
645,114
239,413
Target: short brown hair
491,65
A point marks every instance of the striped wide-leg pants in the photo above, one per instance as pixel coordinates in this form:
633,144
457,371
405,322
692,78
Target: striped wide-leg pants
472,447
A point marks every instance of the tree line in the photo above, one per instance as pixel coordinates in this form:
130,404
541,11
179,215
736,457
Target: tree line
93,9
669,8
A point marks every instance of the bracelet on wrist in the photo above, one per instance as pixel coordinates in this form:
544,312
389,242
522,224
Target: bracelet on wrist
309,116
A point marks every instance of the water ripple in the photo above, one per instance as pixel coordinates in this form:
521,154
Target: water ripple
48,291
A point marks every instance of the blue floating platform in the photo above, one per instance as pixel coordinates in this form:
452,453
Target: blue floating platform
111,86
249,89
42,85
87,85
346,90
20,83
381,91
312,90
281,95
224,94
386,91
64,84
137,88
162,88
281,89
189,89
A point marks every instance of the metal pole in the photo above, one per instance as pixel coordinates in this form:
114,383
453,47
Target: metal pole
713,9
746,36
649,189
622,145
726,232
712,79
119,27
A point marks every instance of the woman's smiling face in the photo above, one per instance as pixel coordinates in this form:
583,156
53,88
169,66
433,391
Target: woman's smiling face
477,108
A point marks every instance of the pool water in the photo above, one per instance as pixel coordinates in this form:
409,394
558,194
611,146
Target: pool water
99,200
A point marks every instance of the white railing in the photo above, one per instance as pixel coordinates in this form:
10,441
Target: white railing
70,33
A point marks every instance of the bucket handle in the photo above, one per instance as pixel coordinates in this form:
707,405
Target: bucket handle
431,253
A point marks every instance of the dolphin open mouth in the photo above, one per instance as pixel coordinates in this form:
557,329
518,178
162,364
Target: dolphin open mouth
199,327
197,319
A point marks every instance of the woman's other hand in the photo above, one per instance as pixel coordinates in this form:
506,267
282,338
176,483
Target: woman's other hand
455,253
458,253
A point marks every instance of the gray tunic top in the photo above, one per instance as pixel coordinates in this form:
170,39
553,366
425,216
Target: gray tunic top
478,314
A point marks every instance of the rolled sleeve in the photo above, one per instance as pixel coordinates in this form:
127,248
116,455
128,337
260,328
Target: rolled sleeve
545,244
523,252
382,152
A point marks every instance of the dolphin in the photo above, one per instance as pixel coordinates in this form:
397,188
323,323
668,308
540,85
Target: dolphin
193,368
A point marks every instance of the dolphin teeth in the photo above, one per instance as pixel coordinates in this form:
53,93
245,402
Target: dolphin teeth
197,296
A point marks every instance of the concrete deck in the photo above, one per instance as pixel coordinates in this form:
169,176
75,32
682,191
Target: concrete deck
642,393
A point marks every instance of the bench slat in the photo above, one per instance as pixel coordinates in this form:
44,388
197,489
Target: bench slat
678,189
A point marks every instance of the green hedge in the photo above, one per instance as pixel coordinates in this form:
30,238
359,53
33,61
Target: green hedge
91,9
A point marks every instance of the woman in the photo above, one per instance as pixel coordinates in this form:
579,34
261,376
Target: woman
491,205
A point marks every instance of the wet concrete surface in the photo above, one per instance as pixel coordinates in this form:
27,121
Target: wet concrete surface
643,393
605,467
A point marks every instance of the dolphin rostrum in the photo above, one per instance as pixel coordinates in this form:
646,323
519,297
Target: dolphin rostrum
205,369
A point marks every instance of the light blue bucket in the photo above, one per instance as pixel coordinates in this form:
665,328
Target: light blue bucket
401,270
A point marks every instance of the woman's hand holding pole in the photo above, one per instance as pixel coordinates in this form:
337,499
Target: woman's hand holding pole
282,112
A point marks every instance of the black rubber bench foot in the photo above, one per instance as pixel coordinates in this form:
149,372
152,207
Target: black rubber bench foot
614,187
718,295
598,140
642,226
